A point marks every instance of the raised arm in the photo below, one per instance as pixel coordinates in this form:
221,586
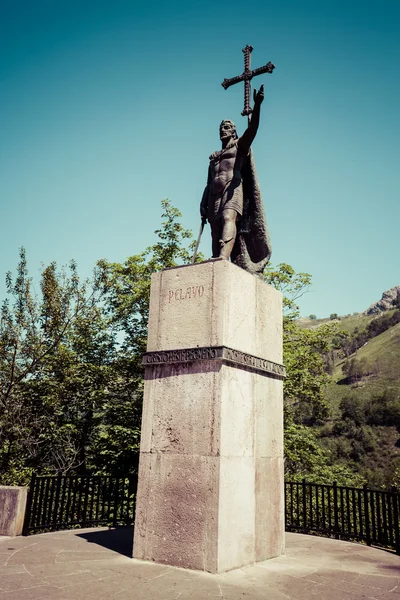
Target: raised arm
247,138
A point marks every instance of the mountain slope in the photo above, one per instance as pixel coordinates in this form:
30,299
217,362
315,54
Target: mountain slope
383,355
363,429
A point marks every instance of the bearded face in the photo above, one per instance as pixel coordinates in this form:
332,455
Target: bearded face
227,130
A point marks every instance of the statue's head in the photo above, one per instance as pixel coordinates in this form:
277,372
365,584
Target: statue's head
227,130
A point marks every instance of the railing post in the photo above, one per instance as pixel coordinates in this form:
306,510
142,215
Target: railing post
285,503
366,514
28,509
395,496
336,509
56,500
115,512
304,505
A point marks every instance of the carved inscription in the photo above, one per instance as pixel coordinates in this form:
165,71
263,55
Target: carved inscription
223,353
254,361
193,291
185,355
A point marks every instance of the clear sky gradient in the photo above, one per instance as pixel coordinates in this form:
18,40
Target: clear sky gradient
108,107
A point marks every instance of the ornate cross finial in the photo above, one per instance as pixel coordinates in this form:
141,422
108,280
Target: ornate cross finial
247,76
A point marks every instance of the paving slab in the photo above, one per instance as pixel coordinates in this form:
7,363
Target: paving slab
95,564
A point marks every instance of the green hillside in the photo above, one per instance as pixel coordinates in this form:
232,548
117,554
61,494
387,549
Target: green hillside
348,323
383,355
363,428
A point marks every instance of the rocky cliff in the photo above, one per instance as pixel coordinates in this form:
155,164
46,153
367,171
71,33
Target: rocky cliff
389,300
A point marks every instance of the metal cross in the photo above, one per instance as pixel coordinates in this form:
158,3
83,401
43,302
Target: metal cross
247,76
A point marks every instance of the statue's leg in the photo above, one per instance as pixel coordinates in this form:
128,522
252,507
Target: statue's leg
229,230
216,232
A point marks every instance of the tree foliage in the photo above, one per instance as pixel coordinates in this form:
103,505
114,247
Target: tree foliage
304,353
127,285
71,380
47,347
304,350
306,458
292,285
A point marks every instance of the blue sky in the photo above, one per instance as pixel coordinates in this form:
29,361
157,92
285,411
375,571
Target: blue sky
106,108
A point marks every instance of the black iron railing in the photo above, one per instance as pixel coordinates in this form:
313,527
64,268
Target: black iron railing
66,502
348,513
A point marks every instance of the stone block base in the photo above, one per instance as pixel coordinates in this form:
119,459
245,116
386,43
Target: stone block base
210,492
12,509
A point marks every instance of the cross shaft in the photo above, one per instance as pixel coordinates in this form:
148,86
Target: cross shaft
247,76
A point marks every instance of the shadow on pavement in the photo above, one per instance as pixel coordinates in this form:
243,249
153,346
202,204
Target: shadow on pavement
119,539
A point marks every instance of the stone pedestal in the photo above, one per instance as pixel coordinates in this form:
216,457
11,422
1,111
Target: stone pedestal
12,509
211,491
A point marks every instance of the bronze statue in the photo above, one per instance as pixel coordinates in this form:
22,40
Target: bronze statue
231,201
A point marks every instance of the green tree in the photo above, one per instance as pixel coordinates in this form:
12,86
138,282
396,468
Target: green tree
304,352
291,284
383,409
71,374
38,336
127,285
306,458
70,357
126,288
355,368
352,407
306,355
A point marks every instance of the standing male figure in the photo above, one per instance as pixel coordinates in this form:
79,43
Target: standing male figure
231,201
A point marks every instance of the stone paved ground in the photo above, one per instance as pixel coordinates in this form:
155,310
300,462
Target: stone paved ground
94,564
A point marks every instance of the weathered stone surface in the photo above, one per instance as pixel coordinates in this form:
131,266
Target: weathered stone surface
215,303
210,493
177,510
12,509
268,417
236,515
269,508
181,409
